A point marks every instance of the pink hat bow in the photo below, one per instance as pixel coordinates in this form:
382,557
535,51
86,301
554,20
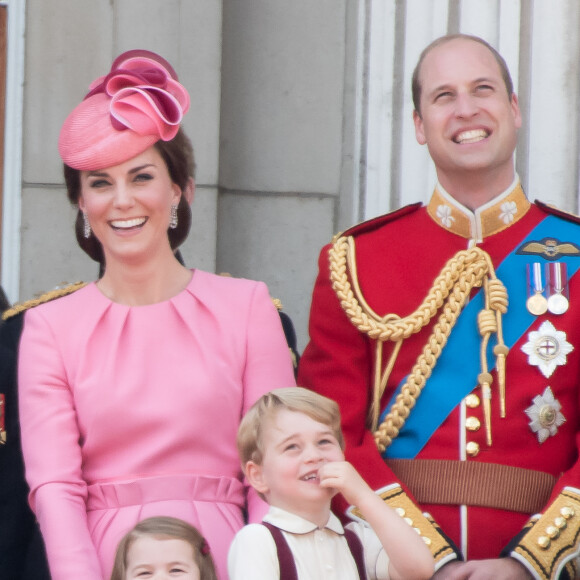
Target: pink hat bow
138,103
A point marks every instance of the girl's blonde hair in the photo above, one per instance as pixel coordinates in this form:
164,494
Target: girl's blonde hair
166,527
250,441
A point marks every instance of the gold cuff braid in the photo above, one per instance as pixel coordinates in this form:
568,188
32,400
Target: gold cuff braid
551,542
450,292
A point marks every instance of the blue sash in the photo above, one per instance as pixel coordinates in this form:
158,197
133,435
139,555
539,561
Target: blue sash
456,371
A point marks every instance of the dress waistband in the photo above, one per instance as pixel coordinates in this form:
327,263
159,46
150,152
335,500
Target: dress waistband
165,488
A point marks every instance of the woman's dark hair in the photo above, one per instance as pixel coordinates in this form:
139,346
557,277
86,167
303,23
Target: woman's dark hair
179,158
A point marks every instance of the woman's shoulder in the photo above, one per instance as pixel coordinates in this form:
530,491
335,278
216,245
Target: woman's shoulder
220,287
226,281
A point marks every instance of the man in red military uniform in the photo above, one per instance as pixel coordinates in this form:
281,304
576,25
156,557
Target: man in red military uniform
449,335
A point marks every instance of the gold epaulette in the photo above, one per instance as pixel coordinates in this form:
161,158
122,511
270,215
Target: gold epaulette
46,297
550,543
394,496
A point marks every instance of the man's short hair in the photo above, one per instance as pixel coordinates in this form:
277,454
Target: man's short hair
297,399
416,83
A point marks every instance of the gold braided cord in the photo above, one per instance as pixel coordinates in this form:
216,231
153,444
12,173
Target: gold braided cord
450,291
391,327
46,297
380,381
405,401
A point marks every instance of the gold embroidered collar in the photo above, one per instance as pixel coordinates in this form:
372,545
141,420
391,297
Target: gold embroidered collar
491,218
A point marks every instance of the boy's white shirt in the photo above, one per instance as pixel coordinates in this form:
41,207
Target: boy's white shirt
318,553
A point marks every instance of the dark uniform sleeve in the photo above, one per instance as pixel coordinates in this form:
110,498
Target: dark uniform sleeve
22,555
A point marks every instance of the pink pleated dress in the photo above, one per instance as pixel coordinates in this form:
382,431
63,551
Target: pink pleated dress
132,412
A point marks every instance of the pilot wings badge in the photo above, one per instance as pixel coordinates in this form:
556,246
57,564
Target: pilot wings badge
549,249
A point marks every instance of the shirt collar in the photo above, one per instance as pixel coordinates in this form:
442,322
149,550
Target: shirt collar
294,524
493,217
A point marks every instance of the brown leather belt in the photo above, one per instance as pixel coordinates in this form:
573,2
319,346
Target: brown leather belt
433,481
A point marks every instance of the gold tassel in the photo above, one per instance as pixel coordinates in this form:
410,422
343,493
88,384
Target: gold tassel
501,351
484,380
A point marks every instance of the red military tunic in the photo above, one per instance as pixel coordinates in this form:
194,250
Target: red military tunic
398,257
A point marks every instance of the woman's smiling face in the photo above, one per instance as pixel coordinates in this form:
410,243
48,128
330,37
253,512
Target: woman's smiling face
129,205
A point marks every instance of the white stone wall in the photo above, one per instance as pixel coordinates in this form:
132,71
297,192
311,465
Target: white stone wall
540,43
68,44
301,118
281,142
266,80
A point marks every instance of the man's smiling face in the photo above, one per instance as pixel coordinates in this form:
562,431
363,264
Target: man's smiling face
467,120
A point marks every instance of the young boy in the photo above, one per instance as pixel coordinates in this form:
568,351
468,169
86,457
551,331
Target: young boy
291,448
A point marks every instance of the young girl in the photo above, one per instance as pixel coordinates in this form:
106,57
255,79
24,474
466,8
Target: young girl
163,545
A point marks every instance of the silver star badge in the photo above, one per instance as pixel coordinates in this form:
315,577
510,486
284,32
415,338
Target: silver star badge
545,415
547,348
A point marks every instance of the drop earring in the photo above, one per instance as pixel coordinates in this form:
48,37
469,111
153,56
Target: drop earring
173,217
86,226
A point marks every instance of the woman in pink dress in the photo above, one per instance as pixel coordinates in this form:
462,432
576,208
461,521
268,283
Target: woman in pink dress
132,388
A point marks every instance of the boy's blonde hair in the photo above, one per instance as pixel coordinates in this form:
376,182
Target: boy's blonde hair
166,527
250,441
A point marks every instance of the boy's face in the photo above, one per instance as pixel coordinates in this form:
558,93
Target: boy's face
295,447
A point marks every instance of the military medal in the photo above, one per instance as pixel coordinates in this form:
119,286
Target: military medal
558,285
545,415
2,420
547,348
536,303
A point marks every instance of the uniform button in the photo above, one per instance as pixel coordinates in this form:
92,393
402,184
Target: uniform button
472,449
472,423
553,532
426,540
544,542
400,511
567,512
560,522
472,401
409,521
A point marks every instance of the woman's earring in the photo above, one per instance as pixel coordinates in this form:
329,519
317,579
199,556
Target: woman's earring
173,217
87,226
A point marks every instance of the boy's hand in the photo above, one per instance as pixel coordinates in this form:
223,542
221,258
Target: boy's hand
343,477
398,538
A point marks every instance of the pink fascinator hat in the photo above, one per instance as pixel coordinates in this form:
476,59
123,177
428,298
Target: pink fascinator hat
125,112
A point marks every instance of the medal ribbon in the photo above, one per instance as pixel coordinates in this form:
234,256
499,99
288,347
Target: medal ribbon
456,371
